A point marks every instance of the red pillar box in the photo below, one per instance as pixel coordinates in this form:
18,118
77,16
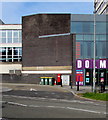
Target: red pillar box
59,78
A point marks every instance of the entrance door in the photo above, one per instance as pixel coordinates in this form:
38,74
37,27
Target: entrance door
65,79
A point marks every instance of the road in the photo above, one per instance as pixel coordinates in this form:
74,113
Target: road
48,102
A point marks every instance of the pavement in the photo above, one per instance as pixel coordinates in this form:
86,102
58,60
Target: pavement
4,87
82,89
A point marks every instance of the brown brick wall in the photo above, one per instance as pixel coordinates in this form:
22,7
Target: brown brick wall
49,51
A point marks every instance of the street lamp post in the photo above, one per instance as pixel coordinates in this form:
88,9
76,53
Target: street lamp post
94,62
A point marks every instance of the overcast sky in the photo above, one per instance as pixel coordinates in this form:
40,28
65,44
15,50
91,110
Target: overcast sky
12,12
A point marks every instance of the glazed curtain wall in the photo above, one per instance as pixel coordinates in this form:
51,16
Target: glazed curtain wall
84,39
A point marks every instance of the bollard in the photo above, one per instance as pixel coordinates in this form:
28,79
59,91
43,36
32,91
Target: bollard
102,87
78,86
71,84
61,83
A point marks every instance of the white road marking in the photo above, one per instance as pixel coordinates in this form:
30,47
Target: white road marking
53,99
56,107
13,103
84,110
62,100
34,106
70,108
51,106
31,89
41,98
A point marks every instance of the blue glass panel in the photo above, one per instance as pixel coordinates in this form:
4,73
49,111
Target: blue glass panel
79,37
9,40
4,34
88,37
100,27
15,34
82,27
3,40
88,27
100,49
76,27
20,51
15,40
101,37
9,33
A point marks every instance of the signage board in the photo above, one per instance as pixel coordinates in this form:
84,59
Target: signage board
79,77
88,63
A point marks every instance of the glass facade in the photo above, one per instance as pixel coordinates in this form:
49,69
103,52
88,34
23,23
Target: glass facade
84,31
10,36
83,27
10,54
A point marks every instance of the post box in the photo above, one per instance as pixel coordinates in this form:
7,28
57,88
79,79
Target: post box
58,78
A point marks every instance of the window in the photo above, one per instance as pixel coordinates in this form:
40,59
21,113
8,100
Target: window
9,40
76,27
88,27
100,27
20,51
101,37
88,37
3,54
79,37
82,27
3,40
9,33
15,34
20,36
10,36
101,49
10,54
106,49
4,34
15,40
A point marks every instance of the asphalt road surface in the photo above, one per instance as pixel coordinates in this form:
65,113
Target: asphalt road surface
48,102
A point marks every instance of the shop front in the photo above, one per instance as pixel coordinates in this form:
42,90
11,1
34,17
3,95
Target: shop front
84,71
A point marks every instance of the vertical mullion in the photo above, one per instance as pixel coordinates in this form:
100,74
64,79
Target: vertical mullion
6,53
12,53
6,37
18,37
12,36
18,54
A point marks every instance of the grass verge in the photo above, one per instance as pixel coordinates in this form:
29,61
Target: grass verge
95,96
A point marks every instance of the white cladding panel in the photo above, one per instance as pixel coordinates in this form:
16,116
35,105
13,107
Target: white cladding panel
4,68
10,44
12,27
